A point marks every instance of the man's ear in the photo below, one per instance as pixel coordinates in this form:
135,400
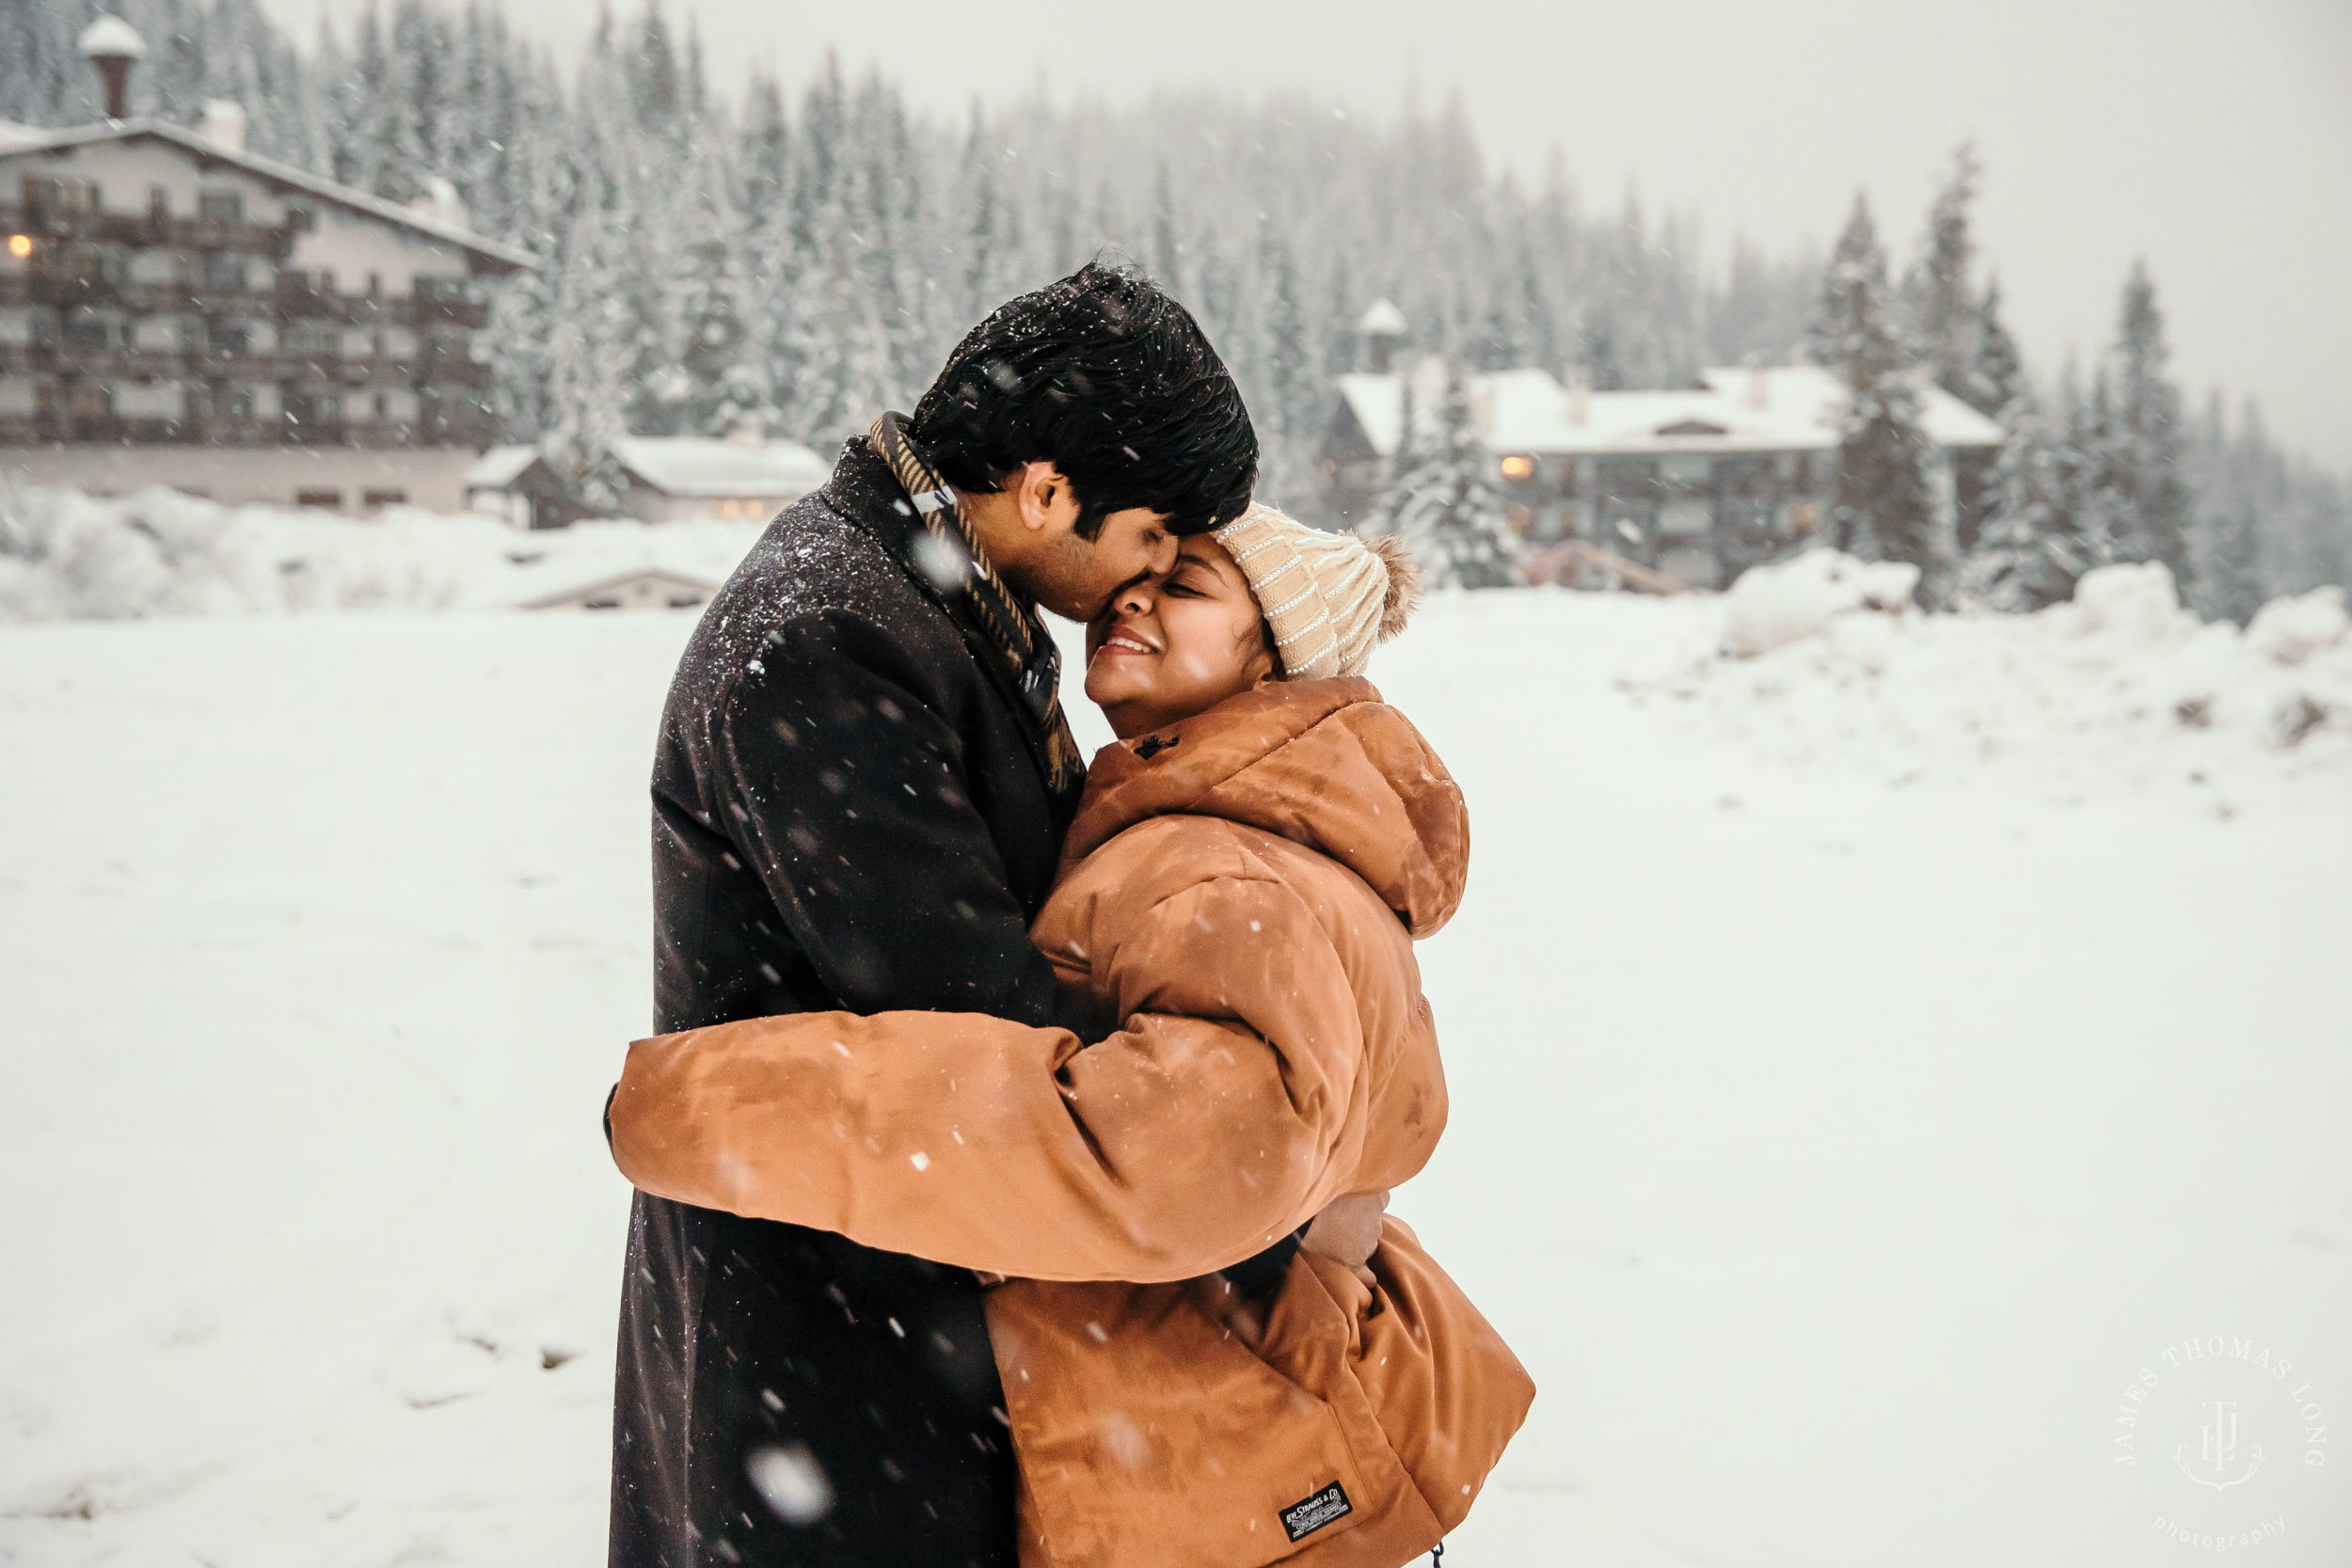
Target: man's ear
1045,498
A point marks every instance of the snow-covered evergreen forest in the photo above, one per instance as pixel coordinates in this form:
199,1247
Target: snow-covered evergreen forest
720,251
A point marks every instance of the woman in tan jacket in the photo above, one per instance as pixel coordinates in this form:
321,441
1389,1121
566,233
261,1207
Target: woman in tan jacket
1239,895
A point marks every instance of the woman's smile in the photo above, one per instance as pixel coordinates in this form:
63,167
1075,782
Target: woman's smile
1124,639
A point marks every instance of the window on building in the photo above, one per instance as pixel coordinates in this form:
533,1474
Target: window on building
383,406
51,196
315,340
1687,470
375,285
235,403
88,330
326,281
158,203
229,337
384,498
331,500
220,205
91,400
224,272
311,409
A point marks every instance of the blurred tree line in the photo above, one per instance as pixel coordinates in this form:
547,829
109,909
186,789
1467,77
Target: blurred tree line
796,261
2099,467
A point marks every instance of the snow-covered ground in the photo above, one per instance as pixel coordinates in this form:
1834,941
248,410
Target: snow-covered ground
1867,1058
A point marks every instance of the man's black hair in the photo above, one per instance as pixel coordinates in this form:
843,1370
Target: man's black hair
1112,382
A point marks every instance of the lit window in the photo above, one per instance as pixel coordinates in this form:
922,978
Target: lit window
1519,468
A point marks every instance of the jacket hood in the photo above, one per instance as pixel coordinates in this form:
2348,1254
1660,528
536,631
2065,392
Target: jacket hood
1325,764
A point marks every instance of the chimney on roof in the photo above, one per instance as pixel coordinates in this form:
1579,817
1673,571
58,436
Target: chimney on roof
440,203
1579,398
223,124
1760,389
112,45
1383,327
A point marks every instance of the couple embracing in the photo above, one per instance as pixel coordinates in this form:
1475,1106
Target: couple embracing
1011,1169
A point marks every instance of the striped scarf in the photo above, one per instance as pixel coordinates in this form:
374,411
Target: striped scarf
948,555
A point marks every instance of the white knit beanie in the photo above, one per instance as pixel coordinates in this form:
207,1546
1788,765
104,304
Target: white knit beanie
1329,596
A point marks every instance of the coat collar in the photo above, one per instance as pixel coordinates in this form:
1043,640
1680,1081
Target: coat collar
1322,763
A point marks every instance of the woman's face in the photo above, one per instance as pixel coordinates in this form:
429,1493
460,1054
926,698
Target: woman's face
1169,647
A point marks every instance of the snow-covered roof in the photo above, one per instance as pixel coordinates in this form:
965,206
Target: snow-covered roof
500,467
1740,409
504,255
1384,320
687,465
1811,392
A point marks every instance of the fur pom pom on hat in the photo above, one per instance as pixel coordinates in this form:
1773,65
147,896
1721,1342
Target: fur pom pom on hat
1329,596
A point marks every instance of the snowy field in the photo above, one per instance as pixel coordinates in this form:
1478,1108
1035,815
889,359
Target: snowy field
1867,1058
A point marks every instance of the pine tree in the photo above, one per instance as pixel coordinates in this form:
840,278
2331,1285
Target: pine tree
1445,507
1942,313
1999,372
1597,348
1857,256
2028,553
1292,397
588,367
1167,253
2226,537
725,391
2088,469
2145,438
1881,507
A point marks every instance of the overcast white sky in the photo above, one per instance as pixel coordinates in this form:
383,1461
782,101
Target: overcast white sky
2212,136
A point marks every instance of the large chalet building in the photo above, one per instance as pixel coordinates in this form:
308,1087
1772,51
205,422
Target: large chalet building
1698,483
177,310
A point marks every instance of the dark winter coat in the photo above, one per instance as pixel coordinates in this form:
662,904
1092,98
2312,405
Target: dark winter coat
851,812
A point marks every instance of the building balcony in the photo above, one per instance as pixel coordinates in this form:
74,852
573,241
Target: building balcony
279,302
421,370
468,429
162,230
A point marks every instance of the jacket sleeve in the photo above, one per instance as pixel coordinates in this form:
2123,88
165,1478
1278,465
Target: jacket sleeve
831,768
1221,1117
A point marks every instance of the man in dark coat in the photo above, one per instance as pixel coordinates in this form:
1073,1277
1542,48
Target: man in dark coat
860,791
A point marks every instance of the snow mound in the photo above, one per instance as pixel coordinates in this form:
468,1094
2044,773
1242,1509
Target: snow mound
65,556
2291,630
1771,607
2123,693
2136,600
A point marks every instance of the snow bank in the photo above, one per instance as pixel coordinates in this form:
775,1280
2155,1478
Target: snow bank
2115,691
65,556
2291,630
1774,606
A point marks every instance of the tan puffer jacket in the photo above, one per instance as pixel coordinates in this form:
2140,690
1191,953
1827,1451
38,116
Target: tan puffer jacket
1242,890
